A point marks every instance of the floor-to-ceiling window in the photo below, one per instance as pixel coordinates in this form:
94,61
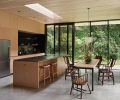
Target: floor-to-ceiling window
82,30
114,39
59,39
64,39
56,39
99,32
70,39
50,39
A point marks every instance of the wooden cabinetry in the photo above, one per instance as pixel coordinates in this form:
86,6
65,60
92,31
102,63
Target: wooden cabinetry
28,73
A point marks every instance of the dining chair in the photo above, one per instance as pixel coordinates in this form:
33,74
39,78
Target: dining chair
79,81
100,60
105,71
99,63
70,66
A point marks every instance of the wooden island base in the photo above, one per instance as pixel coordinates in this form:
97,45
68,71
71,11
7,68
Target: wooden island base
26,72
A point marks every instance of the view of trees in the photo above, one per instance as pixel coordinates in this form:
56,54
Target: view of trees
107,40
50,39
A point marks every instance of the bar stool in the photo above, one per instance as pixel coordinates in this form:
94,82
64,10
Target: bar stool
53,70
46,73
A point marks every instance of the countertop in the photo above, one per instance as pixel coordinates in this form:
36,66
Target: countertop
40,58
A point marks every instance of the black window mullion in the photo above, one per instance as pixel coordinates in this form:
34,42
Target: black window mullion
46,39
67,39
54,39
59,45
108,39
73,42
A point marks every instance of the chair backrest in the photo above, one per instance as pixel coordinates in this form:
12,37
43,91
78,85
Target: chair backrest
67,60
100,60
82,78
112,62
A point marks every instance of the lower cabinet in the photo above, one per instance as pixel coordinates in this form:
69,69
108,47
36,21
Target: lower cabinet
30,74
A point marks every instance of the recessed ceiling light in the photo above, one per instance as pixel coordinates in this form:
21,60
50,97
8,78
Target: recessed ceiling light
41,9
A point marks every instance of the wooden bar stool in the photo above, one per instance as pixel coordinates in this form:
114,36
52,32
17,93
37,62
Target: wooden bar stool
53,70
46,73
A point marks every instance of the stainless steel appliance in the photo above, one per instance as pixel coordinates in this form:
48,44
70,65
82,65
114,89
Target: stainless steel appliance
4,58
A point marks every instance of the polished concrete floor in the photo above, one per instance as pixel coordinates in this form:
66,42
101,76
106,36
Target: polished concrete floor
59,90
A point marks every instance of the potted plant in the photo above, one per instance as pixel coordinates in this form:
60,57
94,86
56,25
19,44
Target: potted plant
88,57
88,48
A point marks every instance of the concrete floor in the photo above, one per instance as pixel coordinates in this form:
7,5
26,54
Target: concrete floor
59,90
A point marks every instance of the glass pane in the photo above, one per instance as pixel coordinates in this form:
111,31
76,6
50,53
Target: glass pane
114,40
70,40
56,39
63,39
50,39
82,30
100,34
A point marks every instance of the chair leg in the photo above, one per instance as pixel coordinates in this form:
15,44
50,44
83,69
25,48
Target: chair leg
113,79
81,92
89,88
102,78
71,88
65,74
98,75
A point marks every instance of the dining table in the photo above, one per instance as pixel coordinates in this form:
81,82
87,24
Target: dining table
91,66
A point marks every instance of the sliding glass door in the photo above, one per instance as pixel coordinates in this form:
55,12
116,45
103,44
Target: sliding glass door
82,30
50,39
114,40
63,39
99,32
60,39
68,38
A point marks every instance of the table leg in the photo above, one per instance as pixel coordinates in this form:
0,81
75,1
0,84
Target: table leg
92,79
78,72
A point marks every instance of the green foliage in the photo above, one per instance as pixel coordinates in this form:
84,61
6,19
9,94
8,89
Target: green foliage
106,45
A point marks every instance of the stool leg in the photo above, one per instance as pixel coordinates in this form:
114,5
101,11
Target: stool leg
44,82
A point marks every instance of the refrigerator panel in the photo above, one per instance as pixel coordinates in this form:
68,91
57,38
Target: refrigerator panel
4,69
4,49
4,58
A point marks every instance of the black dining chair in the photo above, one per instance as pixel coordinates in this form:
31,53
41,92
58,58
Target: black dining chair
70,66
105,71
79,81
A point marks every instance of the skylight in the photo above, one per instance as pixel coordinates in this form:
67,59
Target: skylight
41,9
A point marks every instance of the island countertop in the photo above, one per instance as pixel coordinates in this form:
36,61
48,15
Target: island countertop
27,72
40,58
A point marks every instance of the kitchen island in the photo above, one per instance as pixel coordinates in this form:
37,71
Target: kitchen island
26,71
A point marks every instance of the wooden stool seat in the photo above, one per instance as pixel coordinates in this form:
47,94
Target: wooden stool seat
45,73
53,70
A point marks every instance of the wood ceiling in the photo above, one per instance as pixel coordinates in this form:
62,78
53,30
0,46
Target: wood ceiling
69,10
